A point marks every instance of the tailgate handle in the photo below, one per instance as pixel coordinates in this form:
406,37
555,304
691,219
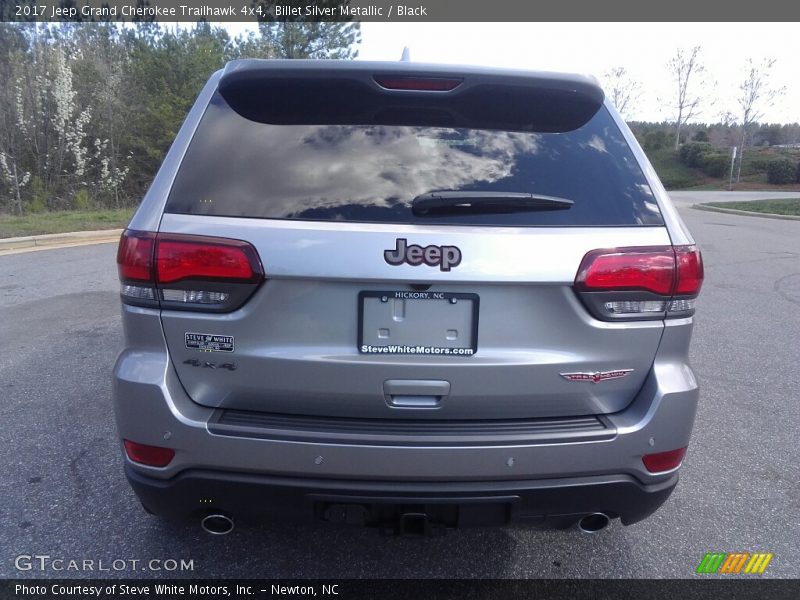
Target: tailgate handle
415,393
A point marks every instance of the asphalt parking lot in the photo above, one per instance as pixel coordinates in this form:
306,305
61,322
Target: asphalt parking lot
63,494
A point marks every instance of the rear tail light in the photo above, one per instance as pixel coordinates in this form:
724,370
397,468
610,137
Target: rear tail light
643,269
152,456
135,256
135,267
204,258
689,278
664,461
650,282
137,293
194,296
187,272
633,307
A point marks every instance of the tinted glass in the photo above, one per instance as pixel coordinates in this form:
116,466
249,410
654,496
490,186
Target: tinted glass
371,173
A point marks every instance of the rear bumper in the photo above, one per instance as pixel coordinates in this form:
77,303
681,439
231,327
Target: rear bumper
196,493
535,474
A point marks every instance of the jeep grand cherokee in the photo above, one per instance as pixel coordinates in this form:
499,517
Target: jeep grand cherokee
406,296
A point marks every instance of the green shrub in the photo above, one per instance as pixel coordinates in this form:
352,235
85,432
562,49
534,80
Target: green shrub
715,164
759,165
798,172
672,172
83,200
655,140
678,181
700,136
691,152
782,170
38,201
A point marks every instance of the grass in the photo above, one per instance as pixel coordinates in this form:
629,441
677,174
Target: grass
746,185
788,206
63,222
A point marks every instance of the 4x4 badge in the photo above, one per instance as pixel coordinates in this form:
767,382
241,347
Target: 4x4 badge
445,257
597,376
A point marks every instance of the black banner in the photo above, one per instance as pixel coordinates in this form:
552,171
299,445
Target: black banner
396,11
544,589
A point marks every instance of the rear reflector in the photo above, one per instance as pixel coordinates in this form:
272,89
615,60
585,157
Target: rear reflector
152,456
427,84
664,461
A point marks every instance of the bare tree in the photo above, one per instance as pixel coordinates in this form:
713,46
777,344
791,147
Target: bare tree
622,89
686,69
755,94
13,178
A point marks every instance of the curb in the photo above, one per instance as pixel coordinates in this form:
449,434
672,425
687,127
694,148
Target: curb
54,240
746,213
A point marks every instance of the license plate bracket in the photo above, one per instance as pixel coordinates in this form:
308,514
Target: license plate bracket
429,323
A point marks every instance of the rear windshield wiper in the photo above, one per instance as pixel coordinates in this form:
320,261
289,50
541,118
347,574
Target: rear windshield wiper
449,202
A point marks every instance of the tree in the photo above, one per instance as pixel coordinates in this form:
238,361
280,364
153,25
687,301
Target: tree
686,69
49,120
299,38
13,49
755,94
100,67
773,134
88,110
167,69
622,89
312,39
14,179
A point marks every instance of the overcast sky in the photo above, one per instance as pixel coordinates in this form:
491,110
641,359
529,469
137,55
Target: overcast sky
642,48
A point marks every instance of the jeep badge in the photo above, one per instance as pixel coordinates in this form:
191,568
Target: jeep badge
445,257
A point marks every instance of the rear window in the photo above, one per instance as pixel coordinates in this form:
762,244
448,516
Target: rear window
371,173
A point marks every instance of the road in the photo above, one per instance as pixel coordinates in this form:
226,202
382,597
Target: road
62,492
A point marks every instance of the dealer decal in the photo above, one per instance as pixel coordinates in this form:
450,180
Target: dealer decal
209,342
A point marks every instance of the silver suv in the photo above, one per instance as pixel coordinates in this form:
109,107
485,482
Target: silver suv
407,296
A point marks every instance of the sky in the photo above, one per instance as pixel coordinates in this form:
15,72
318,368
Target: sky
643,49
595,48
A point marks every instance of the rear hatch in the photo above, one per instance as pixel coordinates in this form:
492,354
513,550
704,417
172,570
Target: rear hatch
420,231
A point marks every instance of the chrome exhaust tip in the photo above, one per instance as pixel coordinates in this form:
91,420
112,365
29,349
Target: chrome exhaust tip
217,524
593,523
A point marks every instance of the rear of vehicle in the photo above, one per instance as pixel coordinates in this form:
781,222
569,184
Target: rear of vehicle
407,296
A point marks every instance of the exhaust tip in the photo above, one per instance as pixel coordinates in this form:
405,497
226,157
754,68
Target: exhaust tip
217,524
593,523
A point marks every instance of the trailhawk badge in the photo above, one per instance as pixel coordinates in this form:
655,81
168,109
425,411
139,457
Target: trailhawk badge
445,257
597,376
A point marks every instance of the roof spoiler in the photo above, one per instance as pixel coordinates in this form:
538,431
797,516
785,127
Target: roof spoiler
351,92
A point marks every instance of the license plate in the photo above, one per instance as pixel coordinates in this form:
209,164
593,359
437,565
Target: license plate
427,323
